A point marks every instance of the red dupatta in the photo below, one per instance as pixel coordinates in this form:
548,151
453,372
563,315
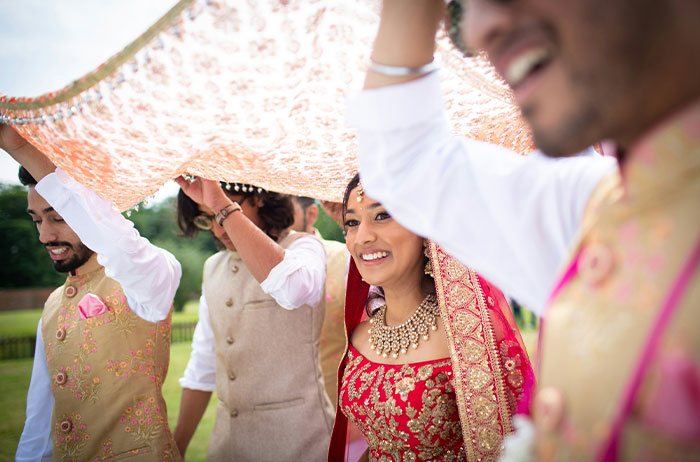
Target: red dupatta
491,367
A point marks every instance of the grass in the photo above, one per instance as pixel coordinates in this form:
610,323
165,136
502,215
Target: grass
19,323
14,382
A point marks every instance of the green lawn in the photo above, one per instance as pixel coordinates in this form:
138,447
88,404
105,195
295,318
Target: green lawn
14,382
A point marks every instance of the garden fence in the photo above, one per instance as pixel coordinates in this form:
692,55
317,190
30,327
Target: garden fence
24,346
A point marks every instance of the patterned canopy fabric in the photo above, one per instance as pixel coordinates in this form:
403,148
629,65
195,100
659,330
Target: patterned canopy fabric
249,92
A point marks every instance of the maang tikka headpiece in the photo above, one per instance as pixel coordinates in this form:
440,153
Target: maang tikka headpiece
360,192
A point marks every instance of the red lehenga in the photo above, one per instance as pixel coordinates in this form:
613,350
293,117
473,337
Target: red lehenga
457,408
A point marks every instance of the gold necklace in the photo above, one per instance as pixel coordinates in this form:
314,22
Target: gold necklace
393,340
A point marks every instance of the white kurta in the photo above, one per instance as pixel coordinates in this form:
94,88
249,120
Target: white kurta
511,218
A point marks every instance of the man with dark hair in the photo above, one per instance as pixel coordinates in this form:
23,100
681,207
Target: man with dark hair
257,339
610,248
305,214
103,341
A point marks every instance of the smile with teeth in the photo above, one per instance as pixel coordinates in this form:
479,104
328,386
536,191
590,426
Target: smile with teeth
374,255
524,64
58,250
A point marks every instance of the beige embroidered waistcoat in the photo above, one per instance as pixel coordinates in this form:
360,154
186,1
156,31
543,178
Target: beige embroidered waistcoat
106,375
272,402
638,231
333,339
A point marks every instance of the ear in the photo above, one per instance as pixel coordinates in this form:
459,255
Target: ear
311,214
258,201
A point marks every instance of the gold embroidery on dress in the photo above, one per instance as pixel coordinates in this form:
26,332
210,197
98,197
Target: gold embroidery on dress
484,401
389,391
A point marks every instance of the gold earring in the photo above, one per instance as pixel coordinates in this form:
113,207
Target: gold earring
429,265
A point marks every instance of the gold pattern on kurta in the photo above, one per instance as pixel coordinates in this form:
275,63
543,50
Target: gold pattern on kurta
637,231
406,412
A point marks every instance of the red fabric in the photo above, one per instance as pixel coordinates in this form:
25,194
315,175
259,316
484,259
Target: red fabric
416,381
355,300
511,366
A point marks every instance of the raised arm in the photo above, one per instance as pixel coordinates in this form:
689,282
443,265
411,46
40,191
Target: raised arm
257,250
148,274
406,38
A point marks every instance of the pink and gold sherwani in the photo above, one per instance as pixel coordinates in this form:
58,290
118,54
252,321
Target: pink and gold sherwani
107,372
639,228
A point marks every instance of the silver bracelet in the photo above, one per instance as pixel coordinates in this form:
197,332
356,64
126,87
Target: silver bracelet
402,71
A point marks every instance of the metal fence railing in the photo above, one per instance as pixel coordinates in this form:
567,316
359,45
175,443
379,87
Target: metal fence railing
24,346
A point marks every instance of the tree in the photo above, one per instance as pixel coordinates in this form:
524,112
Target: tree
158,223
25,261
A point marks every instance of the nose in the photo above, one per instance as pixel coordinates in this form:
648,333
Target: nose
365,232
47,232
485,21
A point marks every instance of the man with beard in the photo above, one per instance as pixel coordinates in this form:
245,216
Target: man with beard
103,341
611,249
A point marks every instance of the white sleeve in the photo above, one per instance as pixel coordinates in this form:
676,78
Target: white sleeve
300,278
35,441
511,218
200,373
148,274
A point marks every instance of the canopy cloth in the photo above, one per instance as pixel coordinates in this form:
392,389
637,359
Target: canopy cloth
248,92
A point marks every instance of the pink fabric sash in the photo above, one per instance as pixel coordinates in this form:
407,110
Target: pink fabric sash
609,450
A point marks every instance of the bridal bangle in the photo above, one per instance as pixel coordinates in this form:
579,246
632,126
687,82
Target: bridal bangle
402,71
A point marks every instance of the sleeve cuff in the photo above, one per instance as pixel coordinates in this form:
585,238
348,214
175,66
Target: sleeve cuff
396,106
192,385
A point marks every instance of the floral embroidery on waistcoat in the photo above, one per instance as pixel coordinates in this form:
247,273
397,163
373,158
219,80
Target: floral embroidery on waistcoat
70,436
144,420
89,360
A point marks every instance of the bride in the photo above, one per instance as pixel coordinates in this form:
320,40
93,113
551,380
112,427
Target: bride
437,371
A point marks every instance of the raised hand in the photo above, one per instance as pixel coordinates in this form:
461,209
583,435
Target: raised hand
204,192
25,153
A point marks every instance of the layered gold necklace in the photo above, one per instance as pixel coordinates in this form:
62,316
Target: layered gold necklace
394,340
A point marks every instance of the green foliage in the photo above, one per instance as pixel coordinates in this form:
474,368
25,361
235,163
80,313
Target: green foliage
328,228
25,261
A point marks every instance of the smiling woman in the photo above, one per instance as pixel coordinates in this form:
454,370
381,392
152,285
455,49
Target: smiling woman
442,349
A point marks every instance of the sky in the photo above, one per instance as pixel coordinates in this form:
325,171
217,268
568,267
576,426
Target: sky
46,44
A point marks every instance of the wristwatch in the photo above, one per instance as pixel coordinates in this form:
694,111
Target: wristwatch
225,212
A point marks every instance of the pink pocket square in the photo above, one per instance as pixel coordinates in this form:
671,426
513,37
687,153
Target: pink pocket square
91,305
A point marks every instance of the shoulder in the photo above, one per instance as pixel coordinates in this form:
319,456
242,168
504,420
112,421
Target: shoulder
218,256
335,248
308,242
216,259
